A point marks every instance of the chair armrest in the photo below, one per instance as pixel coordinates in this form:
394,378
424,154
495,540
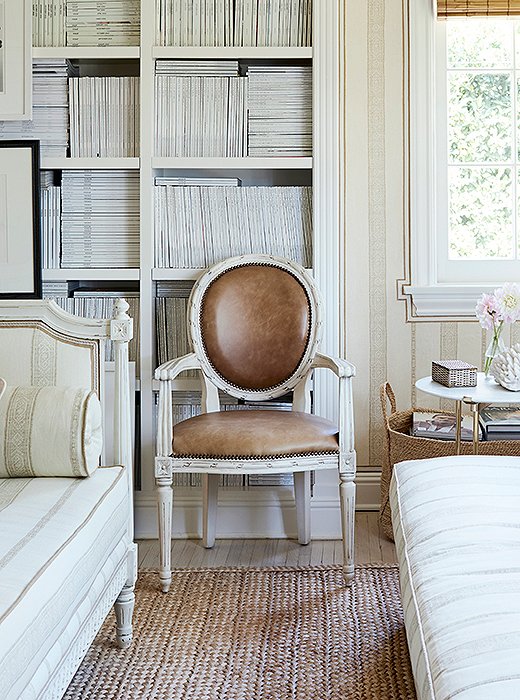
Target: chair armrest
171,369
345,371
341,368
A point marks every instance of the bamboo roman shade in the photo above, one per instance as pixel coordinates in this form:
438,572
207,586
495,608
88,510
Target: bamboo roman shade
477,8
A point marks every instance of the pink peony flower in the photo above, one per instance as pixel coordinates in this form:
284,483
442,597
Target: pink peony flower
507,300
487,311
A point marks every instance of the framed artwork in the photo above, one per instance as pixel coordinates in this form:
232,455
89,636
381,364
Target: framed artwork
15,60
20,266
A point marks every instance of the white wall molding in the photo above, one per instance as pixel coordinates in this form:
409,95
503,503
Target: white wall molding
453,302
249,514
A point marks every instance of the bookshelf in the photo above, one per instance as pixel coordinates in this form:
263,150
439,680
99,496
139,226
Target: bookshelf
320,168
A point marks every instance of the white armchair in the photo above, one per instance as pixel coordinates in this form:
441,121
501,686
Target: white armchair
255,327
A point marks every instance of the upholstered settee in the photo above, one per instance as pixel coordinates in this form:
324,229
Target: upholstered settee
66,549
457,532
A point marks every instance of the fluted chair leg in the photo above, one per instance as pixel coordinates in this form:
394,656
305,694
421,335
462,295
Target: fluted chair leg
302,497
209,509
347,494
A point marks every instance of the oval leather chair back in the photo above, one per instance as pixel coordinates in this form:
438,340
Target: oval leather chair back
256,326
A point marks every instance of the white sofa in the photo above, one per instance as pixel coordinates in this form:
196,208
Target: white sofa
457,532
66,549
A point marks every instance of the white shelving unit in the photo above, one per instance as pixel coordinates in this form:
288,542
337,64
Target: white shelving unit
323,170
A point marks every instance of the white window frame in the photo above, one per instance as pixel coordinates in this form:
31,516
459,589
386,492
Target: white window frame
427,118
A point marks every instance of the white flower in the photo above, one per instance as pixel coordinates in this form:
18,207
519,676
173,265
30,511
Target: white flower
508,302
486,311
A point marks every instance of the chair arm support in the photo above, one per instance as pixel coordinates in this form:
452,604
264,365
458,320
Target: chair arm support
171,369
341,368
344,371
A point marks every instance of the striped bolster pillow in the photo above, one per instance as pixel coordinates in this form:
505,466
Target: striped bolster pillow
49,431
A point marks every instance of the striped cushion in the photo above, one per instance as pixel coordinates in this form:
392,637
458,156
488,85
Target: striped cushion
57,535
49,431
457,532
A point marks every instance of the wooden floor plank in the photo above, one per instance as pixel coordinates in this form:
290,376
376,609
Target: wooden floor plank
328,552
370,546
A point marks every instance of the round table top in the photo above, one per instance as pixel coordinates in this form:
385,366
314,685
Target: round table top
486,391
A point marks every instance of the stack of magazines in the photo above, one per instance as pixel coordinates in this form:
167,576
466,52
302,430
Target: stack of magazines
201,109
500,423
107,23
50,118
50,205
48,22
198,226
104,117
441,426
280,111
234,22
100,219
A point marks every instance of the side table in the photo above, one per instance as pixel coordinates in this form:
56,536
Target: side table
485,393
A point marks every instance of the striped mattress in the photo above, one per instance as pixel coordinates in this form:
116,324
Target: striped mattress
457,531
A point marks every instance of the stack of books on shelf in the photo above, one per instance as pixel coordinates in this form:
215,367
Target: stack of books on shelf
198,226
280,111
50,206
500,423
207,94
273,23
234,23
50,118
107,23
100,219
48,22
104,117
171,328
91,303
441,426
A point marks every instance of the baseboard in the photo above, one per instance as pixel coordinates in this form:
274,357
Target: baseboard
251,514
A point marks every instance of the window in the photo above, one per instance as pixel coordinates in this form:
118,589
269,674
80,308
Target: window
464,158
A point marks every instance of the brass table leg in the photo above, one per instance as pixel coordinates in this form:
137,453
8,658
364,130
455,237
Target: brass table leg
458,419
474,414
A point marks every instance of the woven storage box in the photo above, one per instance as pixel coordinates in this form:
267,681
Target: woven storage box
453,373
401,446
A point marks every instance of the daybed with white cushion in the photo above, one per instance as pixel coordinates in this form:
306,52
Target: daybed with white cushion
66,550
457,532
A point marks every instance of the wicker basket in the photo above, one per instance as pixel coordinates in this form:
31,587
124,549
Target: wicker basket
400,446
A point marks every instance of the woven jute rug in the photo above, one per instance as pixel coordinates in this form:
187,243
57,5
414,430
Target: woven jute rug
256,634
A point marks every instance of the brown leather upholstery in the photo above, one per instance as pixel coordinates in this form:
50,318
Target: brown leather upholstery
254,434
255,325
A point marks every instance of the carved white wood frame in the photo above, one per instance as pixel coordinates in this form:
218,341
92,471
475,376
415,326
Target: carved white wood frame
316,324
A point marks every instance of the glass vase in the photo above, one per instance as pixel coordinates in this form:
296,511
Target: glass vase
495,347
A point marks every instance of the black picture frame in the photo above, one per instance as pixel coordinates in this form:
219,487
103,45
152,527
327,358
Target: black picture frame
20,238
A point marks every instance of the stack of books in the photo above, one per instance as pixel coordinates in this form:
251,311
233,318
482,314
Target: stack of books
234,22
500,423
104,117
198,226
97,304
107,23
273,23
100,219
171,327
201,109
280,111
50,119
50,206
441,426
48,22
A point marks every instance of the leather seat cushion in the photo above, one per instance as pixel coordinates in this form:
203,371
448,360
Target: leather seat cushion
254,434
